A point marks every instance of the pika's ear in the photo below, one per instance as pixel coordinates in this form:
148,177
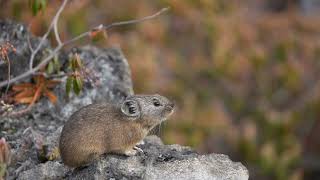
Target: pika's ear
130,108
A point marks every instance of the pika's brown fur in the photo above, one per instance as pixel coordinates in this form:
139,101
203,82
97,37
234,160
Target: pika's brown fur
108,128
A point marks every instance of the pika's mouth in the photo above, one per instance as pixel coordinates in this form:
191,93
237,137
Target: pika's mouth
170,108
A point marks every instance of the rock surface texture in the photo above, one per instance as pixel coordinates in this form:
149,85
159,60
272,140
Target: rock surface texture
158,161
17,35
34,137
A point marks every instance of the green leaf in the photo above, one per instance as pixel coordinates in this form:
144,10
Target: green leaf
73,64
43,3
3,168
78,61
37,5
68,85
77,85
80,82
56,63
50,68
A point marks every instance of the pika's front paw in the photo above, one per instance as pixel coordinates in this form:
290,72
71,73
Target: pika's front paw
138,149
130,152
141,142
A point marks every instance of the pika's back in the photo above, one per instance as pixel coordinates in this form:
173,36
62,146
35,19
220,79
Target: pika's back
92,114
89,119
84,132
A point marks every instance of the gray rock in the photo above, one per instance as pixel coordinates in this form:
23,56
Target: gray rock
113,73
310,6
113,80
48,170
111,70
34,137
17,35
158,161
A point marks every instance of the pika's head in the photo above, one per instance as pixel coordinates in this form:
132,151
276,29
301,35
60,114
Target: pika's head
149,110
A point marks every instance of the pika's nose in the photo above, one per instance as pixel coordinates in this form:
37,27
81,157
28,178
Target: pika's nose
170,105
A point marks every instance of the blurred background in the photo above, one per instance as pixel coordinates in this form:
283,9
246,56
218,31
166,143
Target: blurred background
245,75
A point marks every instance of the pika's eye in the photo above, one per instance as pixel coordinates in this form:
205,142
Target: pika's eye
156,102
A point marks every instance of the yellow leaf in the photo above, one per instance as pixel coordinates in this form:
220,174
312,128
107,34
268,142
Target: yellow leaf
38,93
52,83
25,93
24,100
52,97
39,79
21,87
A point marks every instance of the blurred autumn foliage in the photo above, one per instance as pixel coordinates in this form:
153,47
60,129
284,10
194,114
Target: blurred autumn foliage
28,93
245,78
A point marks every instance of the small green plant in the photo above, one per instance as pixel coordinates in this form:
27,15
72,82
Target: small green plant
75,79
4,51
53,66
37,6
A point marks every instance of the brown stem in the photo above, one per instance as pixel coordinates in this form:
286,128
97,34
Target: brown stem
53,25
9,72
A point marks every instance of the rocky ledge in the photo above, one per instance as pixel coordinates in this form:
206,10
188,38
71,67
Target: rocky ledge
157,161
33,138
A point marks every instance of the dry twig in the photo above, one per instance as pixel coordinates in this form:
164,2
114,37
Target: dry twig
54,26
4,50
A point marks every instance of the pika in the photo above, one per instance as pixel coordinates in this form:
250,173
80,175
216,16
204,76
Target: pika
102,128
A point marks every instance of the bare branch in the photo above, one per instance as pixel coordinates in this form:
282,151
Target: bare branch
18,113
33,70
136,20
29,41
44,37
60,75
55,22
34,53
9,73
29,44
53,25
4,50
106,27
